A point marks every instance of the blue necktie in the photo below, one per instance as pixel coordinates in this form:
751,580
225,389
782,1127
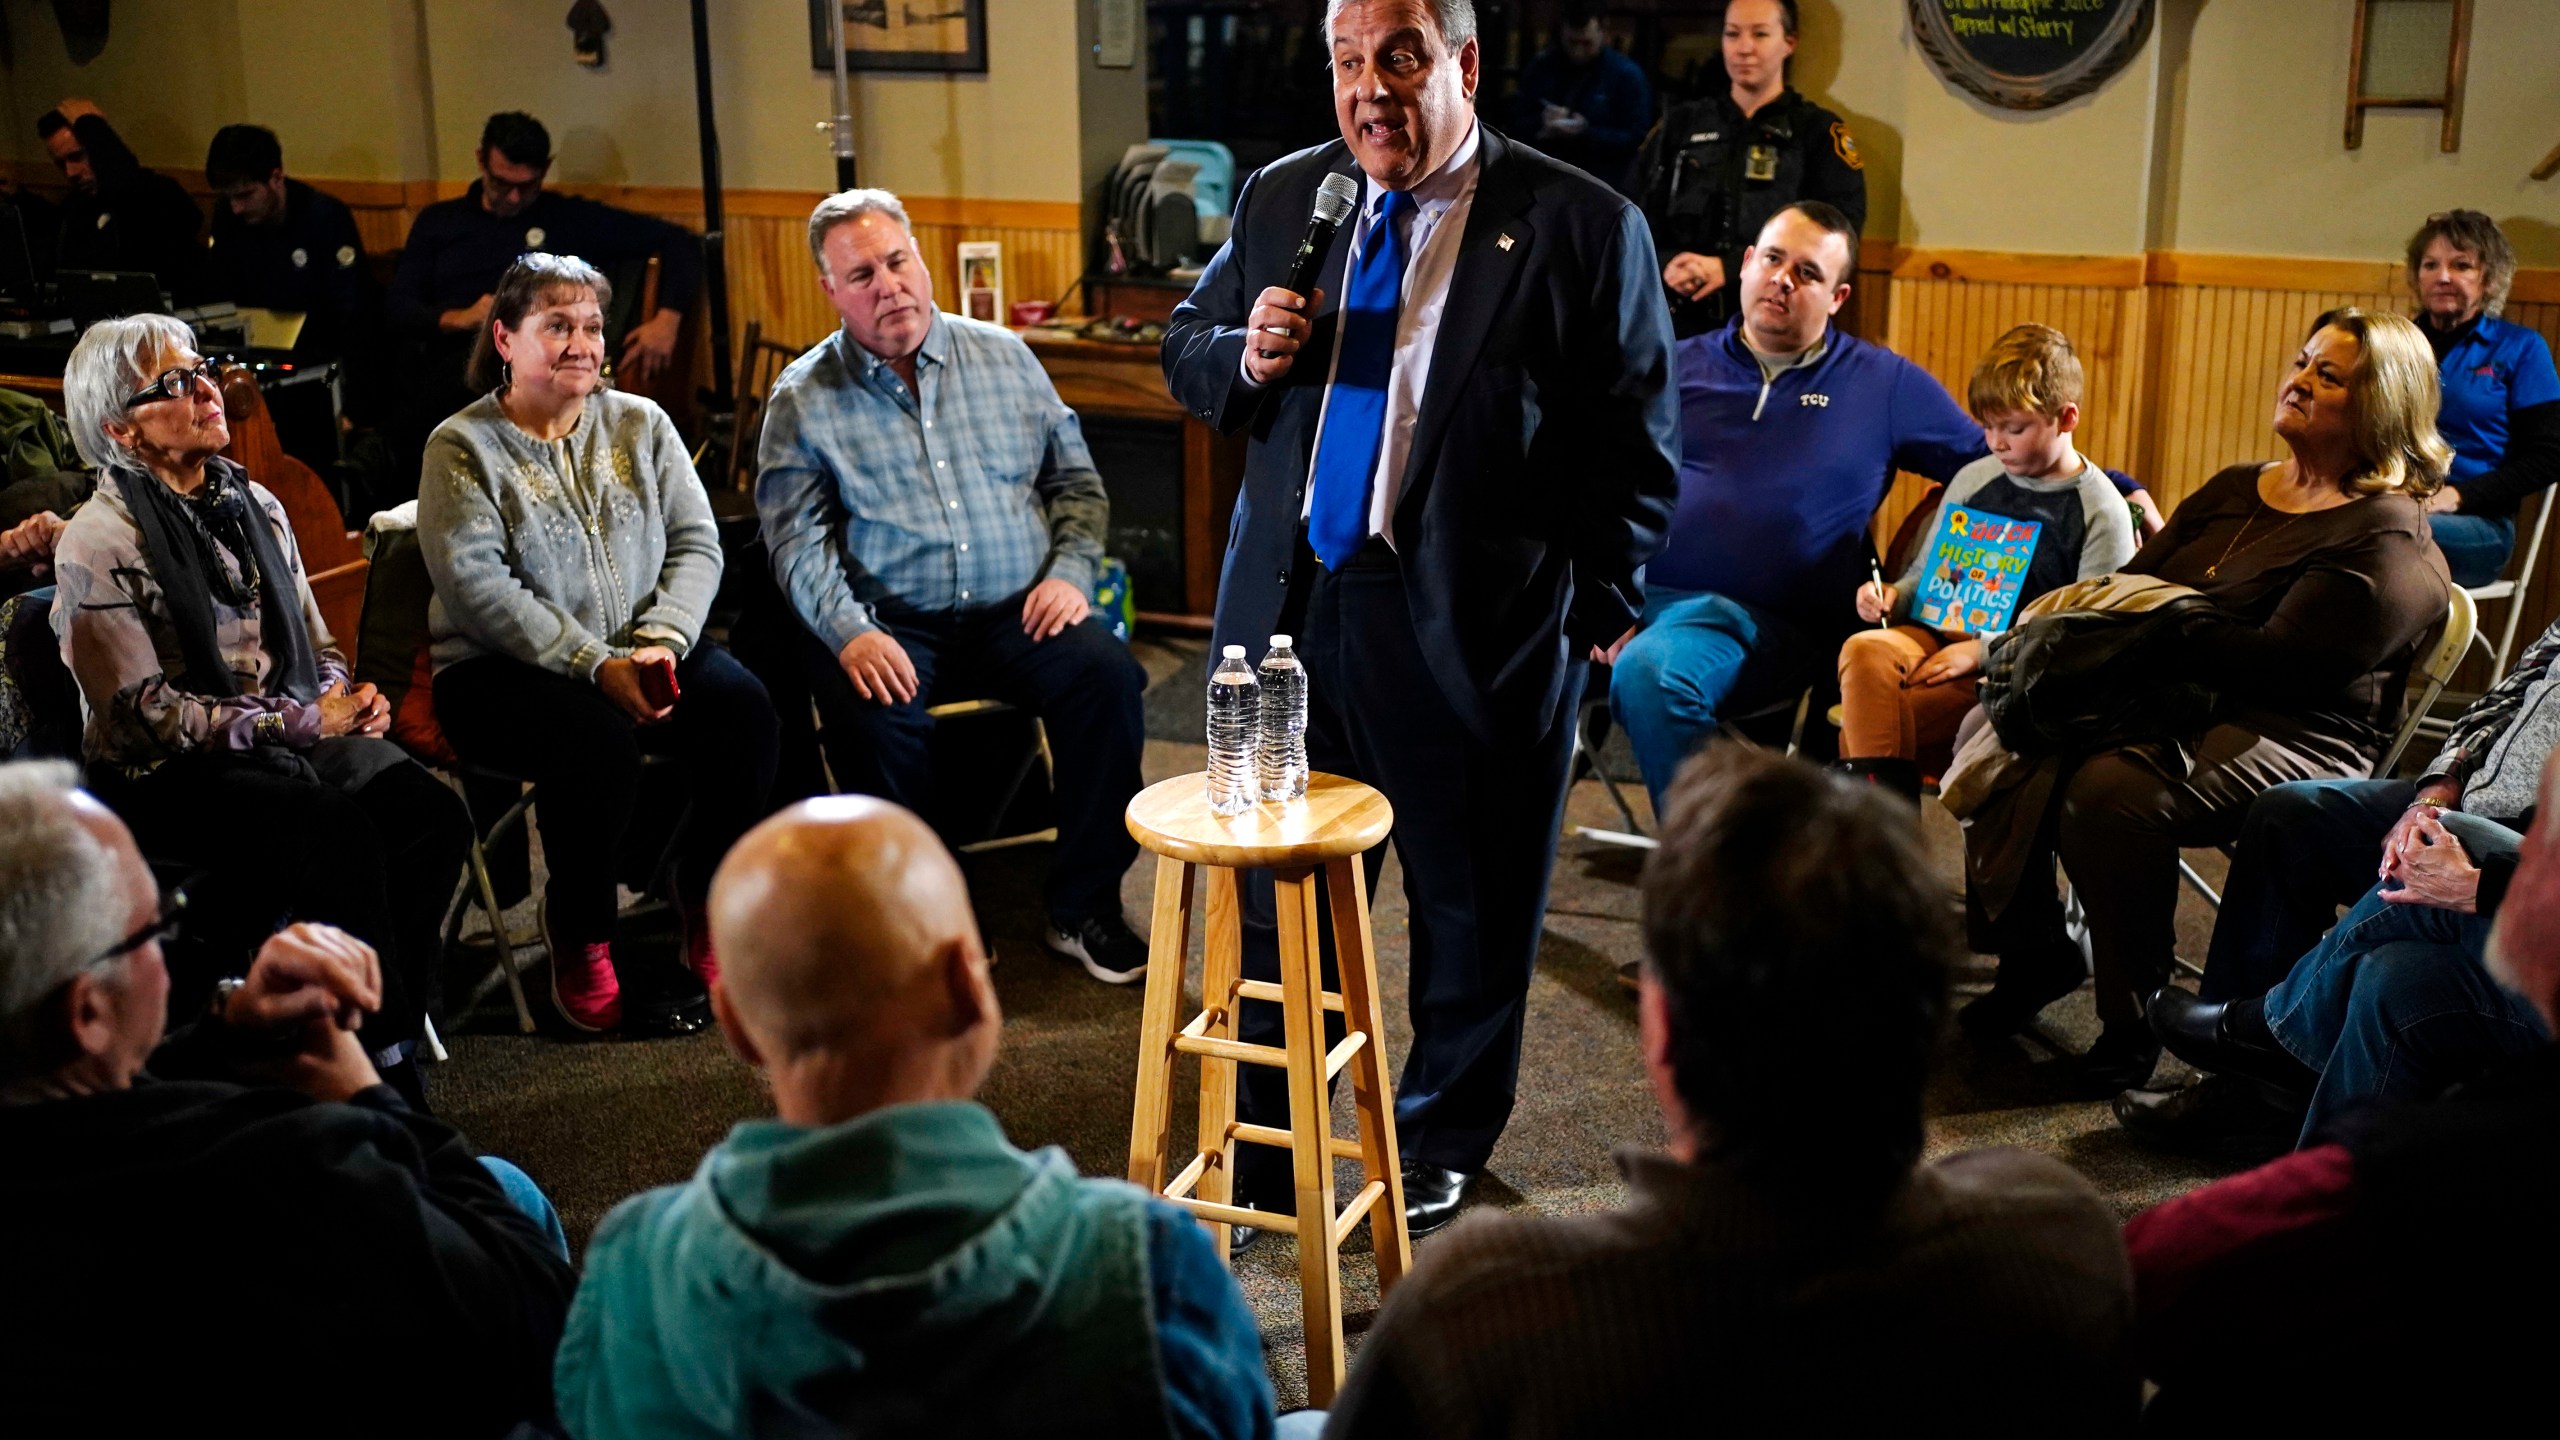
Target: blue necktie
1356,411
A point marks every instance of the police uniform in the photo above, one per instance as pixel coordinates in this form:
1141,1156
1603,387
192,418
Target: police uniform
1712,177
311,263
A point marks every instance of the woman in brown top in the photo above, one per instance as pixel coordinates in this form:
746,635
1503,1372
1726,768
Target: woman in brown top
2328,584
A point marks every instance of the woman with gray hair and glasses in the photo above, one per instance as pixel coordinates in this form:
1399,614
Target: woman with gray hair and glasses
219,720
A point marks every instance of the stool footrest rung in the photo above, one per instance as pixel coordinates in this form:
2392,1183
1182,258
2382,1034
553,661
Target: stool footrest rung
1237,1215
1358,1210
1266,990
1265,1135
1237,1050
1189,1180
1340,1055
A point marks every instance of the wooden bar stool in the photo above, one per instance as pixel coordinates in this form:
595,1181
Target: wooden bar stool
1316,841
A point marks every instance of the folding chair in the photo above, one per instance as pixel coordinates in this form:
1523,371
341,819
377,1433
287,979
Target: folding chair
1036,754
1586,760
2432,673
2509,591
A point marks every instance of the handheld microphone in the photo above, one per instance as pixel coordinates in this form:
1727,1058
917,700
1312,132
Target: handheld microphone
1336,198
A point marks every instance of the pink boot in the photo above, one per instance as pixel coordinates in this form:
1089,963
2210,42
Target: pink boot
584,988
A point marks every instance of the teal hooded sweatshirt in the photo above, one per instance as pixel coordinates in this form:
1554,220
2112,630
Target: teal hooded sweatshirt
908,1272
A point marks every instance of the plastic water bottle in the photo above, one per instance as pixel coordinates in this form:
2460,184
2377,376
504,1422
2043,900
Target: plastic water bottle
1235,733
1284,722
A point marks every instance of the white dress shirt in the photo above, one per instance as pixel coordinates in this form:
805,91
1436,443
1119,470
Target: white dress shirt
1433,228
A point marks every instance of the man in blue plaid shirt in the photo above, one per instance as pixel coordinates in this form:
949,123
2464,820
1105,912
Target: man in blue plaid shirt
936,523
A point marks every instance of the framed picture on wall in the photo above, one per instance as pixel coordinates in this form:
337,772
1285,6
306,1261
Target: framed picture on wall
943,35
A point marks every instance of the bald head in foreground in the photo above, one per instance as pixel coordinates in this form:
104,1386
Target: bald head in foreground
878,1259
853,973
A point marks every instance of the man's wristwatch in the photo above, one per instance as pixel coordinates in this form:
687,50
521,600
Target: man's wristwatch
219,1008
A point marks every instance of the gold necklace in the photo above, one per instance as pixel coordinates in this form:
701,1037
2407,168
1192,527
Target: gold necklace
2216,567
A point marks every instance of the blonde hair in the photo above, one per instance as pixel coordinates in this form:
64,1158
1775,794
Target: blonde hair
2033,367
2391,403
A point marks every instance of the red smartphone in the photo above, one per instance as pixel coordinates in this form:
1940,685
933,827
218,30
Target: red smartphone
658,683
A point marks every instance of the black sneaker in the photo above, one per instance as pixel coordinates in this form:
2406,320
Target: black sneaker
1105,946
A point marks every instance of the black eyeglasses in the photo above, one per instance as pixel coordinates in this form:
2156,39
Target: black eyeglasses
163,928
177,383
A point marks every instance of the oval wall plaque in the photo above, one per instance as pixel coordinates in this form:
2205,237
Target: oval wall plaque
2030,54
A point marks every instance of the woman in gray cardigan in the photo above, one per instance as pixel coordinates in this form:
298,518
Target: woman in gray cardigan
575,559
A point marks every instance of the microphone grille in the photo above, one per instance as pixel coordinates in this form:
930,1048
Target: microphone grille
1336,197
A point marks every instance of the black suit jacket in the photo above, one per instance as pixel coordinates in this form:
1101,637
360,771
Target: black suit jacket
1545,459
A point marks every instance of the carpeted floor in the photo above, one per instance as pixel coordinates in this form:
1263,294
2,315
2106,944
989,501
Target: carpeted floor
594,1121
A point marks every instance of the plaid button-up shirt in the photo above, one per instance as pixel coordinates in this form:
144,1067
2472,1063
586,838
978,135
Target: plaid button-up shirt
957,495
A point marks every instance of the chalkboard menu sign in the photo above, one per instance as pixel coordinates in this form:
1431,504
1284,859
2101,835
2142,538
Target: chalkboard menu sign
2028,54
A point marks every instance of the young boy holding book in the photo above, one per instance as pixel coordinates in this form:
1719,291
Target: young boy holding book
2030,517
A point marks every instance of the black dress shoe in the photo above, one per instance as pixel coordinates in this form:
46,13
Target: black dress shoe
2122,1059
2227,1039
1432,1197
2025,985
2222,1117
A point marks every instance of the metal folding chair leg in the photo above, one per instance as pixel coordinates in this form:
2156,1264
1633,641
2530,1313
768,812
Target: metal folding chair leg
485,892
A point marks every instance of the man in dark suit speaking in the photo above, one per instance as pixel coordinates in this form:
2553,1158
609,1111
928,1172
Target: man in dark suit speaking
1464,449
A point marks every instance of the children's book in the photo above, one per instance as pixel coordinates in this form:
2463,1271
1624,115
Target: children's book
1977,564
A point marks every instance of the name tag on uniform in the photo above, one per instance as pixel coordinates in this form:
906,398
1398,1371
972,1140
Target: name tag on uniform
1704,136
1762,164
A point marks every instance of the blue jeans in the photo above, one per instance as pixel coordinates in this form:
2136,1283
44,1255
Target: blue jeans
528,1197
2395,1004
2475,547
1699,659
2305,849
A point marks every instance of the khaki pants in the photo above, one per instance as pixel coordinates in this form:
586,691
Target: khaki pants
1883,716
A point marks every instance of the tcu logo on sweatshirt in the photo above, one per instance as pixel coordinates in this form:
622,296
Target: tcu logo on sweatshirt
1809,398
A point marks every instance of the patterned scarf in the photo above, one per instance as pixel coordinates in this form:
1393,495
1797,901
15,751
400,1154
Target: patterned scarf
184,539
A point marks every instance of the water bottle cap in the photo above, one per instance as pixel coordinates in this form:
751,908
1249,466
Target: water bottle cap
1232,652
1280,642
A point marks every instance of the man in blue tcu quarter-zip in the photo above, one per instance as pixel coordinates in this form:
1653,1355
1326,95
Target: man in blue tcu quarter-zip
1790,432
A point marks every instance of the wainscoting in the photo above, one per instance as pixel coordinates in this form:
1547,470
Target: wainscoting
2182,351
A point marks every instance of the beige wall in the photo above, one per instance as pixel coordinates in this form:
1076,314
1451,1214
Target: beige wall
2223,136
1943,168
397,89
2264,168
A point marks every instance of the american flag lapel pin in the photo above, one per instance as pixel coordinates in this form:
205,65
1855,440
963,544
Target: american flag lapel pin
1502,241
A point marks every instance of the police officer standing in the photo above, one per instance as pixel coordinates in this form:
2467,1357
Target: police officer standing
1715,170
279,244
